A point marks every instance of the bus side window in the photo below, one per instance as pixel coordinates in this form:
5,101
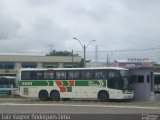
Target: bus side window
48,75
113,74
33,75
73,75
76,75
61,75
87,74
39,75
70,74
100,74
156,79
27,75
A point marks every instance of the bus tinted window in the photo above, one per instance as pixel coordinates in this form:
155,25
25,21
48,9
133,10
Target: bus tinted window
48,75
37,75
115,83
73,75
100,74
113,74
61,75
157,79
25,75
114,80
87,74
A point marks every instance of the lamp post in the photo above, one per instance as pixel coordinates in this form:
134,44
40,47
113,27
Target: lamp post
84,49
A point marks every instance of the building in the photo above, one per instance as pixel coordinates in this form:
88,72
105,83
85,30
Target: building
129,63
142,71
142,77
10,65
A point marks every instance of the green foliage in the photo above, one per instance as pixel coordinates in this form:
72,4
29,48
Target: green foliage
61,53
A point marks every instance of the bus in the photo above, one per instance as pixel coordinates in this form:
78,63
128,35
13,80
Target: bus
8,85
56,83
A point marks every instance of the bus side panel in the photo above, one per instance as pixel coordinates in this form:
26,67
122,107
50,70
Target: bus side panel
33,91
82,92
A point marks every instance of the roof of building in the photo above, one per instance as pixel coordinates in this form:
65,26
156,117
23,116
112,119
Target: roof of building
134,60
31,58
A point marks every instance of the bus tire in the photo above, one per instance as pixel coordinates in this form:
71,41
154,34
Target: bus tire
55,96
43,95
103,96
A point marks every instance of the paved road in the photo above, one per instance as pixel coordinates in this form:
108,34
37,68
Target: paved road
82,110
75,109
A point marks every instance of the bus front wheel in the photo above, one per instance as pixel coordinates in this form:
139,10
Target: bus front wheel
55,96
103,96
43,95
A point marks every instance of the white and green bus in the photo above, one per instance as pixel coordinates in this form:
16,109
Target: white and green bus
56,83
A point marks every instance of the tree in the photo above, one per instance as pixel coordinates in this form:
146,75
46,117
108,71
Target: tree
61,53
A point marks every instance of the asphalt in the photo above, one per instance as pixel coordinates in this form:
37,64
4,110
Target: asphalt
81,101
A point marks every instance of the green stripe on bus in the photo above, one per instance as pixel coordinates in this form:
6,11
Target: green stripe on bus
65,83
81,83
36,83
69,89
101,83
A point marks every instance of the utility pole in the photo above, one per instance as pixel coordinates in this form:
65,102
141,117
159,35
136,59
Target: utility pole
109,53
84,49
107,59
96,56
72,56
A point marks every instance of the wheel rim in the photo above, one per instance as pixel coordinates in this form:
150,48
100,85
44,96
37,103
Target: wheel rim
103,97
43,95
55,96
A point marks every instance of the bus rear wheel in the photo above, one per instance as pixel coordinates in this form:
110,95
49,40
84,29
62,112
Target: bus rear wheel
55,96
103,96
43,95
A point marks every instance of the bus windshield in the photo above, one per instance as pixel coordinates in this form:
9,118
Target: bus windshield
126,83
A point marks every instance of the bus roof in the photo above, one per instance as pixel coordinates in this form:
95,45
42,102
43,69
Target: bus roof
98,68
156,73
8,77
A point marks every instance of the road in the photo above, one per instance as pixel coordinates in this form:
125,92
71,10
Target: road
75,109
82,110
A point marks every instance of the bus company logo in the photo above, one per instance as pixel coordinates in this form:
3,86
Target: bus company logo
26,83
92,83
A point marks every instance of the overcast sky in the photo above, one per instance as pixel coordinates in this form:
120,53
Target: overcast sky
36,26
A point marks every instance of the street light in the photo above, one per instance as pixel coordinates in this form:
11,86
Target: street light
84,49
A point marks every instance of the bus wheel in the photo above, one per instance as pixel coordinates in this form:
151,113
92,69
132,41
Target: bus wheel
43,95
55,96
103,96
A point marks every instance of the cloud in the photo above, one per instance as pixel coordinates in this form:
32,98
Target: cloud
9,26
115,25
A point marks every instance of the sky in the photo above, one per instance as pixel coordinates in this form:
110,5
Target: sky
122,28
